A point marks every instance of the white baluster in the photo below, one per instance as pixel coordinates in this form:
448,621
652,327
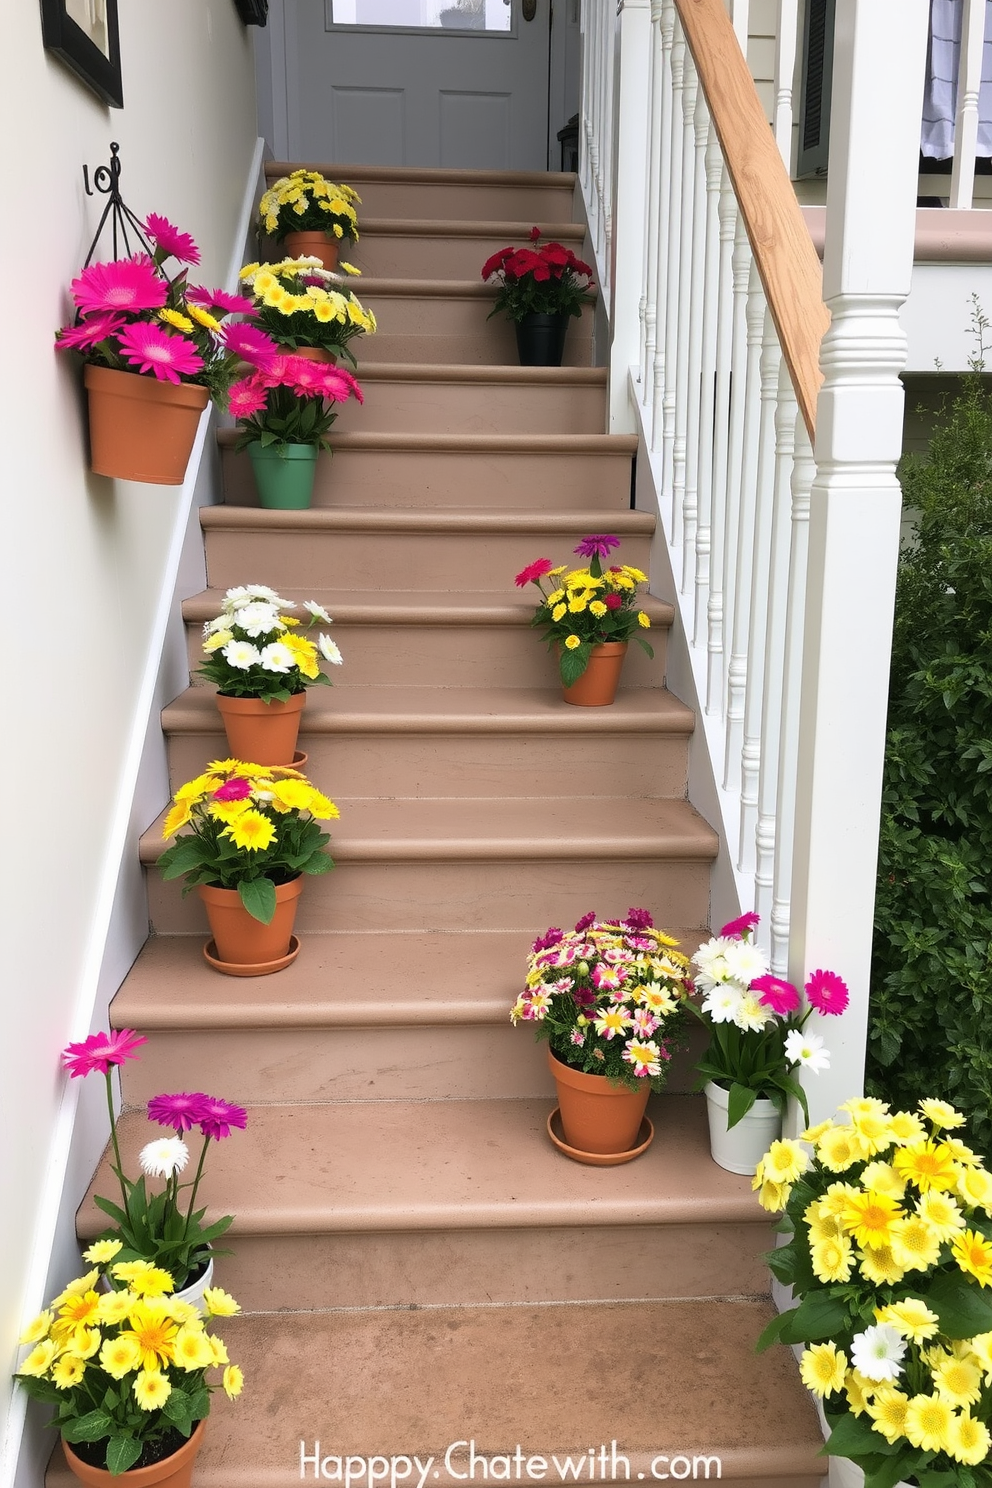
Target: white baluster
648,305
666,425
747,473
696,298
966,119
690,93
786,47
773,705
655,402
715,608
803,472
740,15
764,502
634,211
741,273
706,434
609,124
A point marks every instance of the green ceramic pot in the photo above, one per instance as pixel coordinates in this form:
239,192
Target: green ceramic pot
284,474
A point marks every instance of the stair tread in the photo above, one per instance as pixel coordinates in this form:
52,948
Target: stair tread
506,828
461,227
413,606
344,979
443,1164
414,1381
391,285
560,524
363,709
456,175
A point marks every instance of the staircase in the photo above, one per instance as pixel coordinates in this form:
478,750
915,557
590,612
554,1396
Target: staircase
418,1267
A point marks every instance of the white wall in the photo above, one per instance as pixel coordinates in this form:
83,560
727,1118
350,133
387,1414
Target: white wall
87,565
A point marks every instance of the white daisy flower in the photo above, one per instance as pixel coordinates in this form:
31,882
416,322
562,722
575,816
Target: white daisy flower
163,1157
746,962
276,657
329,650
241,654
721,1003
878,1352
807,1049
752,1015
317,611
257,619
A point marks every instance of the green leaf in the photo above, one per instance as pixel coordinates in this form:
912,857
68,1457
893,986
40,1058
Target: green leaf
963,1310
854,1436
258,895
122,1452
817,1317
571,664
91,1427
772,1333
740,1102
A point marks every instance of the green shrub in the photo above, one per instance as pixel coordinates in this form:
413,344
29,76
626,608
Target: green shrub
930,1029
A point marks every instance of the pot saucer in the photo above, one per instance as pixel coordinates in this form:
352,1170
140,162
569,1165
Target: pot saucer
645,1137
299,760
259,968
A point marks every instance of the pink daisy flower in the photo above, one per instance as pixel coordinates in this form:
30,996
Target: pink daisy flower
577,1037
125,284
605,978
151,349
218,1116
90,332
249,343
637,919
645,1022
827,992
737,929
219,299
773,993
336,385
100,1051
246,397
587,919
182,1112
235,789
170,241
549,938
530,575
598,545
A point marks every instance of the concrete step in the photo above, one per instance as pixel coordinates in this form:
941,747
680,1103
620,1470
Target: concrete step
424,398
405,741
444,639
447,320
480,471
437,193
360,1017
382,549
411,248
486,863
424,1203
425,1383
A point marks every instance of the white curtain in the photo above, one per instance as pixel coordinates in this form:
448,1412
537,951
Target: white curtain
941,93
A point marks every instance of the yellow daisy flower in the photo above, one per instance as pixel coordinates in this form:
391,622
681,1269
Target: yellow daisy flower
40,1358
68,1371
879,1265
832,1259
927,1164
973,1254
860,1391
941,1114
883,1178
643,620
774,1196
233,1381
204,318
174,318
840,1148
39,1328
968,1440
958,1380
928,1422
558,612
190,1348
823,1369
218,1348
869,1218
906,1127
220,1303
911,1317
974,1186
120,1356
785,1161
251,831
102,1251
888,1413
915,1244
941,1213
151,1389
115,1306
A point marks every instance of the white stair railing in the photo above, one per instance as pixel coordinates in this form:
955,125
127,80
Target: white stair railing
720,376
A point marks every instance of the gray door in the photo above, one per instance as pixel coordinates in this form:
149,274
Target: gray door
417,82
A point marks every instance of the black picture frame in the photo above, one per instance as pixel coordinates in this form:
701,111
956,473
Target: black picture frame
99,70
253,12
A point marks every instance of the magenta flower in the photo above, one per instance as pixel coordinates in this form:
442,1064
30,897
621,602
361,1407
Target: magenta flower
235,789
219,299
246,397
533,572
577,1036
167,356
597,546
737,929
612,601
639,919
547,940
125,284
90,332
250,344
182,1112
827,992
773,993
585,922
606,978
170,241
100,1051
218,1116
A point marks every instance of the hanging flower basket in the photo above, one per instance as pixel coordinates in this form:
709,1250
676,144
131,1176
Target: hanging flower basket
141,429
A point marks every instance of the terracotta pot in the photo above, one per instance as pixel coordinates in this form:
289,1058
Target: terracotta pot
172,1472
596,1115
262,733
141,429
238,936
313,245
313,353
597,687
740,1148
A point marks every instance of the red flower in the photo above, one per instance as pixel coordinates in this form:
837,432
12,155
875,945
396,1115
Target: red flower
533,572
612,601
496,262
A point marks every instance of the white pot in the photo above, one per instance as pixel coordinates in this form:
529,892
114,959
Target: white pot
846,1474
740,1149
194,1292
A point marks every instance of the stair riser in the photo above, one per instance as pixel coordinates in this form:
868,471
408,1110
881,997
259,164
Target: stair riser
461,1267
451,656
265,1066
475,408
451,202
439,329
429,479
407,561
524,896
469,764
433,256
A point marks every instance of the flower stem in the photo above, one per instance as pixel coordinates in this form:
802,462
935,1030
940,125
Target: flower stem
196,1183
119,1169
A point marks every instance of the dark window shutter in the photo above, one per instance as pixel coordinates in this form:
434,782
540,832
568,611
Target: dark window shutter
814,96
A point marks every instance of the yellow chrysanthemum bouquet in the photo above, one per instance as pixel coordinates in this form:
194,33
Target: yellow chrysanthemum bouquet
304,201
126,1368
251,828
890,1256
301,305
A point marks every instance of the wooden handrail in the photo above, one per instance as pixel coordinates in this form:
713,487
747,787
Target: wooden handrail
780,240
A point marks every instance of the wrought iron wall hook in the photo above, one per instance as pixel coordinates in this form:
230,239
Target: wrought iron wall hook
106,180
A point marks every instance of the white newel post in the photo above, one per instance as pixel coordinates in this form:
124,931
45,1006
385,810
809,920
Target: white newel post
630,211
855,512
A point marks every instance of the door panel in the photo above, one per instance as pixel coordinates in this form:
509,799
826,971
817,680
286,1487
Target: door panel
450,93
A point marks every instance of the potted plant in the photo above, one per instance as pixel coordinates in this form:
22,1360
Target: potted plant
252,836
540,289
126,1370
309,216
285,408
261,667
155,350
757,1041
607,998
304,309
161,1230
889,1256
589,615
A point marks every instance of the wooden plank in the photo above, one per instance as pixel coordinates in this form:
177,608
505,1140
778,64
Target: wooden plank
781,243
